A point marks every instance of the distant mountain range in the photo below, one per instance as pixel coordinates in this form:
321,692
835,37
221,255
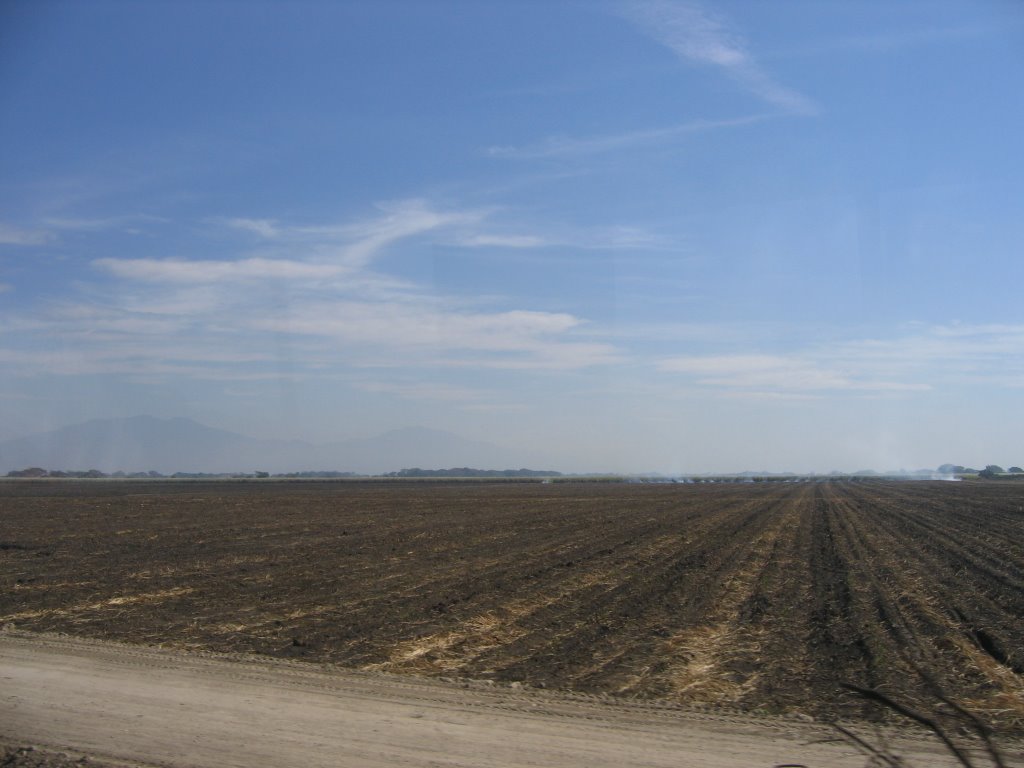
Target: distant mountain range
144,443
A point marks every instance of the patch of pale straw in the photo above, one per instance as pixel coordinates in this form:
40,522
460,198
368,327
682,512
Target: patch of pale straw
113,602
448,651
1007,702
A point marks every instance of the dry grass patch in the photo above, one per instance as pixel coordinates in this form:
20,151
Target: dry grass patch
113,602
449,651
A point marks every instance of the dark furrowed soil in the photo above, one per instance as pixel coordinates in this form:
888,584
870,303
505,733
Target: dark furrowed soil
761,596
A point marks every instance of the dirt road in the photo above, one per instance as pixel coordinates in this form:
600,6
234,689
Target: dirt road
142,706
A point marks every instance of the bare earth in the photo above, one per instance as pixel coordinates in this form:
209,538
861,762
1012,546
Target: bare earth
130,705
765,597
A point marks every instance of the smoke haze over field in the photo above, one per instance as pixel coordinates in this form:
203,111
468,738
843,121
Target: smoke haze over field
648,235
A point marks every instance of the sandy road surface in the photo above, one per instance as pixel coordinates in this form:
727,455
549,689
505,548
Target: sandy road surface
142,706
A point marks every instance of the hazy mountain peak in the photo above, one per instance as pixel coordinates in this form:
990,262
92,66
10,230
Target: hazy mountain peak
179,444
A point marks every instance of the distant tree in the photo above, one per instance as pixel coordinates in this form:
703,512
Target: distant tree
950,469
992,470
1016,471
470,472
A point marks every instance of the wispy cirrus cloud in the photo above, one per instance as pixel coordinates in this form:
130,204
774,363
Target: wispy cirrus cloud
43,231
319,294
128,222
694,35
11,235
697,35
566,146
265,228
952,352
620,238
323,251
484,240
397,221
203,271
781,374
443,336
922,358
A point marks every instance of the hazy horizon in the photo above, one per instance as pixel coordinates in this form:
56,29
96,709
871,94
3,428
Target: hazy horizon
638,236
143,443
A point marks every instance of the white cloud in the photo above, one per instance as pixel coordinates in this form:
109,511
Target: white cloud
53,226
10,235
696,35
921,359
561,146
262,227
92,321
186,271
180,302
126,222
634,237
355,245
502,241
723,364
400,220
309,305
958,349
412,324
777,373
355,310
619,238
125,353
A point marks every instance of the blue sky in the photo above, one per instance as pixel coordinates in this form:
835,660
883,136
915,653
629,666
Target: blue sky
651,235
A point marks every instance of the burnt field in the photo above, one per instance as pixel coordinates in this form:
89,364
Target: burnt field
765,597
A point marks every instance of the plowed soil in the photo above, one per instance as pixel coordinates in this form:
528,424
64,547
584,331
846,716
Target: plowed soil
764,597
